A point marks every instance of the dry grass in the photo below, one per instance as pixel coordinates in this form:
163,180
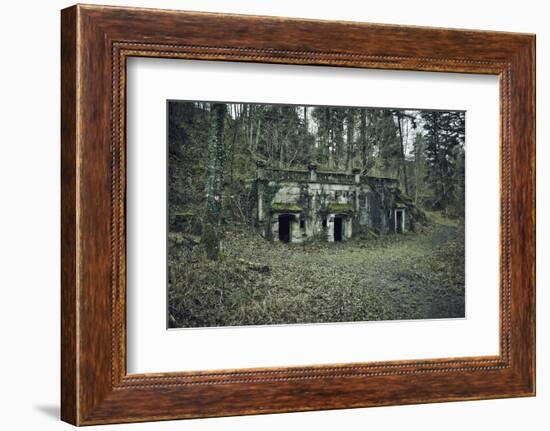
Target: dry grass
411,276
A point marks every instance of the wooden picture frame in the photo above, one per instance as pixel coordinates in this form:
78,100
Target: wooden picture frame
95,43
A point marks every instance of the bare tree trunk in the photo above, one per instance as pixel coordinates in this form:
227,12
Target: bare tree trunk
328,134
250,126
349,138
339,141
402,143
236,127
363,138
330,148
307,150
417,150
258,130
211,233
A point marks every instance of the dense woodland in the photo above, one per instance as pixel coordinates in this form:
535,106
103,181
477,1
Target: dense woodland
423,149
213,149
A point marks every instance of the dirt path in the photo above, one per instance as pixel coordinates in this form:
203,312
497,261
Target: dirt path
398,277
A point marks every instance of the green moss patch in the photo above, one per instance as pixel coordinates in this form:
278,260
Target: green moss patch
286,207
184,214
340,208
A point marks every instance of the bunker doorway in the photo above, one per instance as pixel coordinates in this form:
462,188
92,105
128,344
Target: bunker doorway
285,221
338,229
399,221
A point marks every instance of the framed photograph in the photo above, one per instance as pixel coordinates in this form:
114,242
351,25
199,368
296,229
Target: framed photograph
264,214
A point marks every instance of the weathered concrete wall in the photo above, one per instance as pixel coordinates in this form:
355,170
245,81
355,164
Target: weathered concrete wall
316,199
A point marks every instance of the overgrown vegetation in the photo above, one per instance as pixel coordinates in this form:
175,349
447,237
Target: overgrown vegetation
255,282
423,149
221,272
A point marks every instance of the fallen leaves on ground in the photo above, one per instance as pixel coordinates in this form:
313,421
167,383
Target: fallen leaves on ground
394,277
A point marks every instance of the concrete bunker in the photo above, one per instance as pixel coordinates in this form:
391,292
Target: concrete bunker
298,205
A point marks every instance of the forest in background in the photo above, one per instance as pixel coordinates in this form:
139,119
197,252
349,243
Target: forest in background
423,149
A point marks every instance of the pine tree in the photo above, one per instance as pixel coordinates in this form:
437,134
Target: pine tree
382,134
444,143
419,168
322,117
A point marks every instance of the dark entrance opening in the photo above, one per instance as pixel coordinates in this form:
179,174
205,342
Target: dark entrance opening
284,227
399,221
338,228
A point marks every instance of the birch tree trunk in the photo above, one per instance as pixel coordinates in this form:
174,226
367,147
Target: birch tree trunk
402,152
